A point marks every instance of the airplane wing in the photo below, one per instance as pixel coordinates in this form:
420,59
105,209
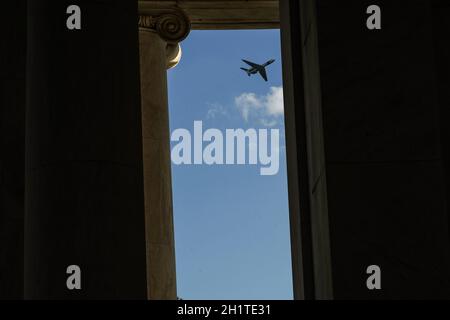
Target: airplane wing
262,72
254,65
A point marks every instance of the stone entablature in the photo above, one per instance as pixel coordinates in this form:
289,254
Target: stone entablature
222,15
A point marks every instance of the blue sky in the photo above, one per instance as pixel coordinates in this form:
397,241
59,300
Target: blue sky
231,223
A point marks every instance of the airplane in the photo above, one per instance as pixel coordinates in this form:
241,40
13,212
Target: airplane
255,68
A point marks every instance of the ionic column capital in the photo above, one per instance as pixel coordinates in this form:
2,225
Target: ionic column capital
171,24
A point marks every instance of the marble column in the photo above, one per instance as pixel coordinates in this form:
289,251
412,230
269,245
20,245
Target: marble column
365,135
84,199
13,32
159,34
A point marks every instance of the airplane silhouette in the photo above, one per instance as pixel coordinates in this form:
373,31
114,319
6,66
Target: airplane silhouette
255,68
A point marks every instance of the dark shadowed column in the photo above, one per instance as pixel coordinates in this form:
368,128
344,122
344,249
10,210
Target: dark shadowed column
441,32
12,146
311,260
371,146
385,169
383,114
84,176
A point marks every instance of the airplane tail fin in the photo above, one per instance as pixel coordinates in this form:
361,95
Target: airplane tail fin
246,70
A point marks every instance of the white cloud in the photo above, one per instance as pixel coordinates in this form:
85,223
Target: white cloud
247,102
266,108
274,101
215,109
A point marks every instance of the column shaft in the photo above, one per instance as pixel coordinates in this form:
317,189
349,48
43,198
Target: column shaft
161,275
84,191
364,147
12,147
